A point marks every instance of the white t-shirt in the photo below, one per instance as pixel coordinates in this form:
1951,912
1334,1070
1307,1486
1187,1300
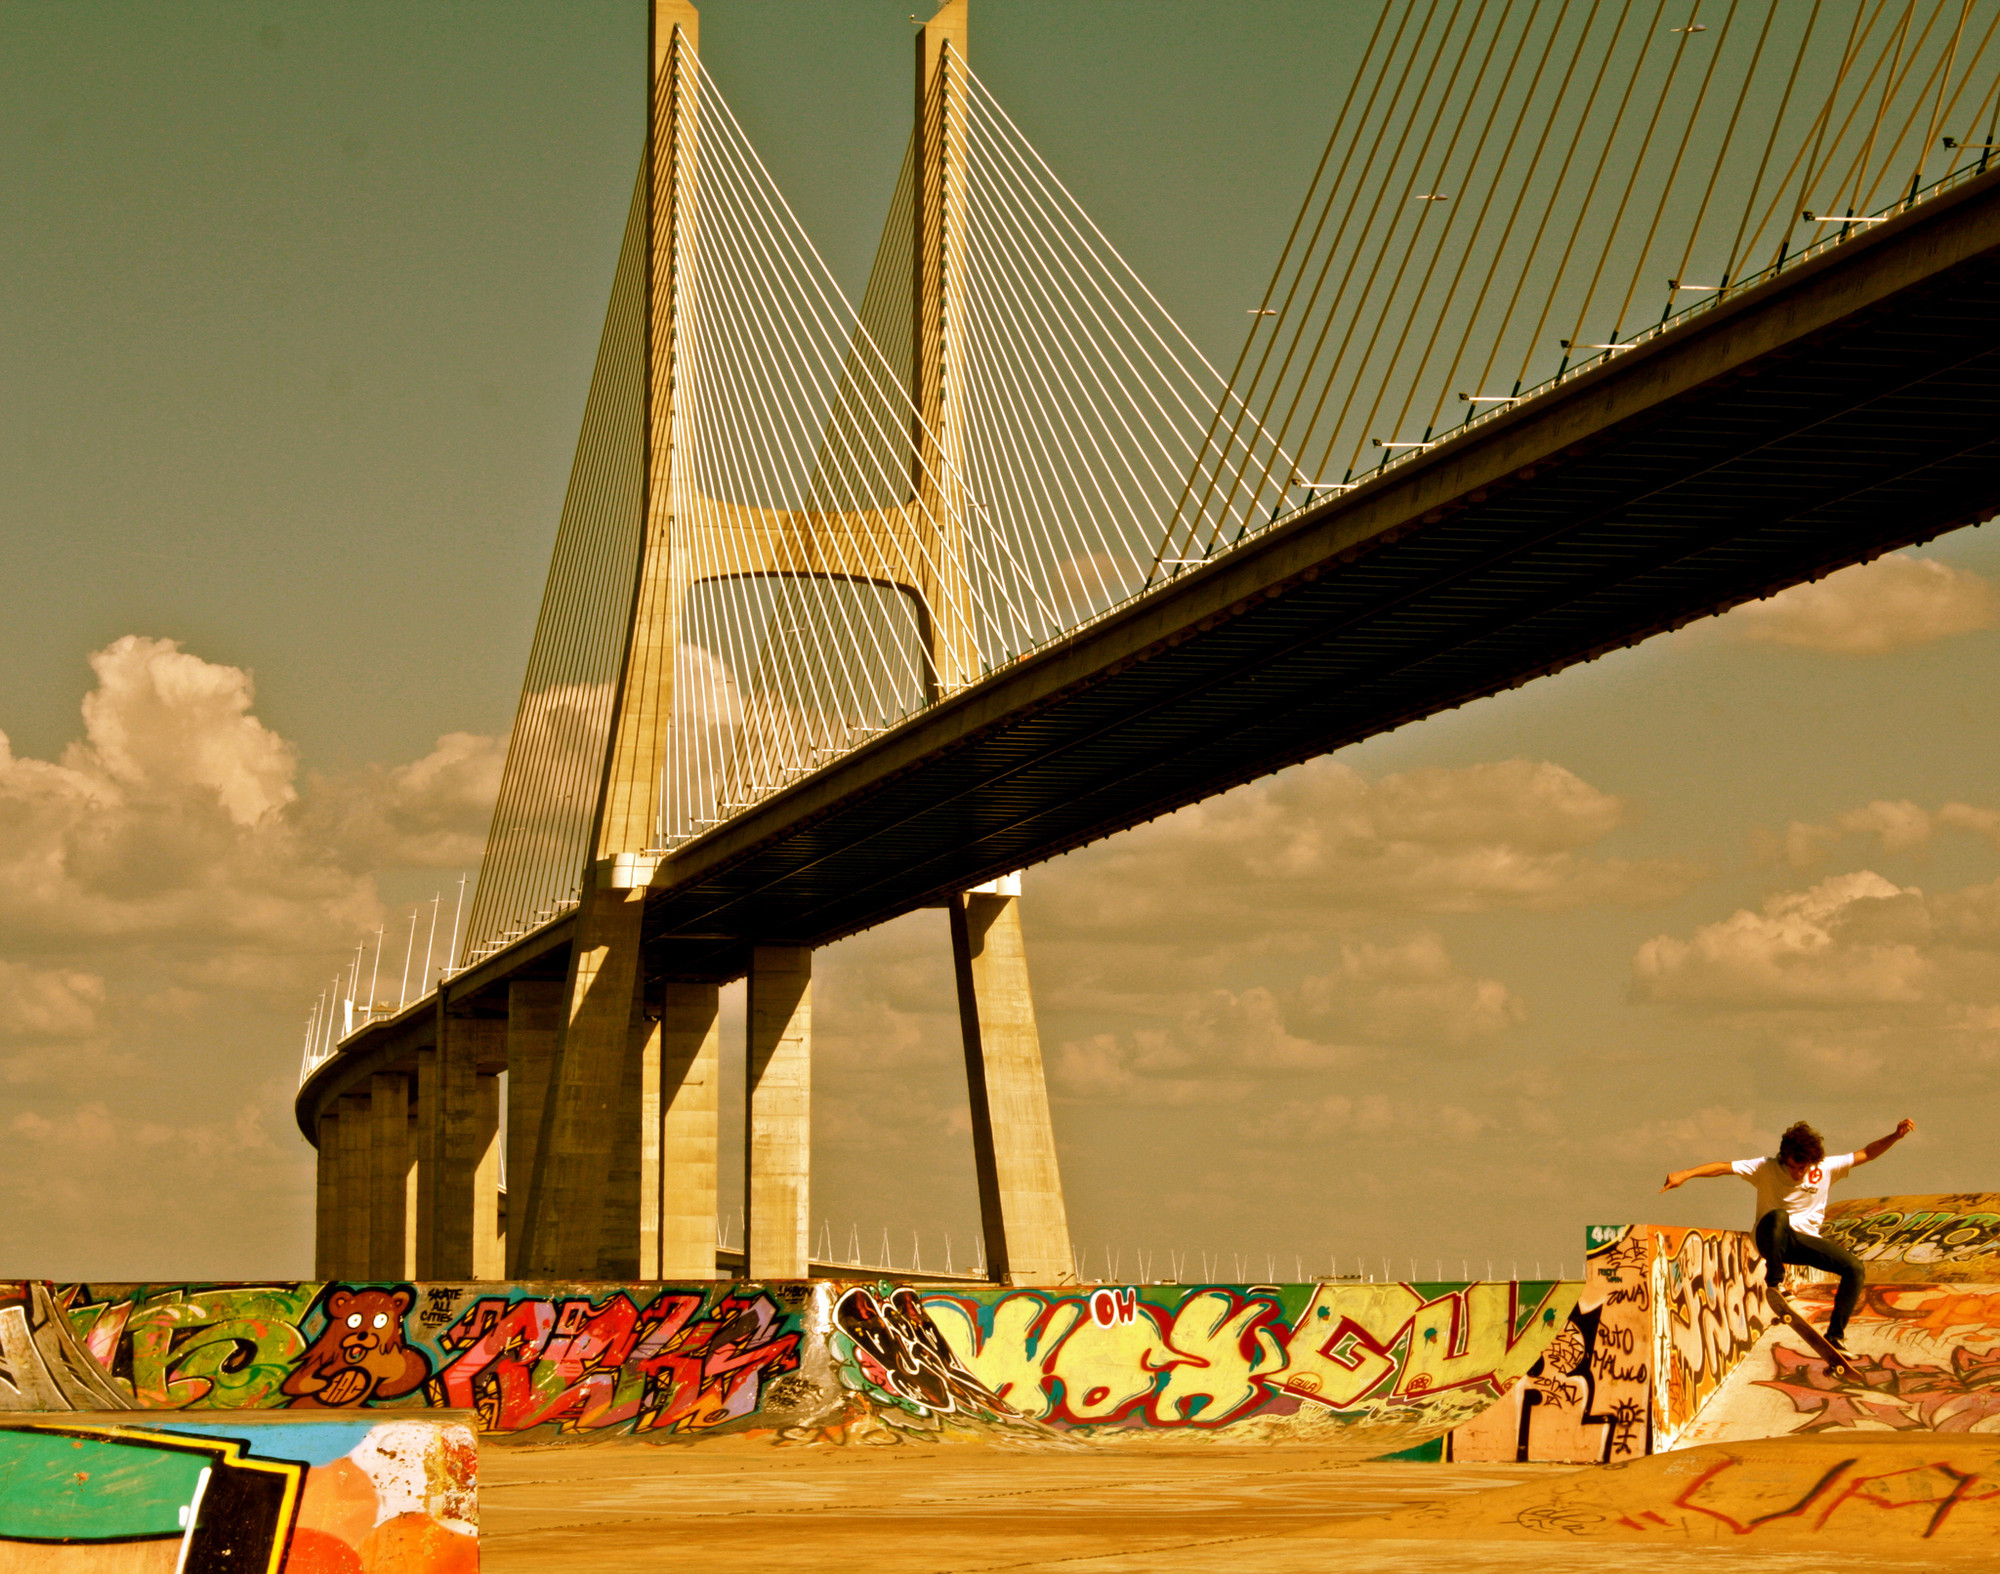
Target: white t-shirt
1804,1200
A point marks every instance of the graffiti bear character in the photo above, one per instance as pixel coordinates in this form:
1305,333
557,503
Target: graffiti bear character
360,1354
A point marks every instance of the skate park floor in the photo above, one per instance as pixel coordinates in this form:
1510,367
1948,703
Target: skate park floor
983,1509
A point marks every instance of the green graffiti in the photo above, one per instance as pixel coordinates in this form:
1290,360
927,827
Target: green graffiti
215,1349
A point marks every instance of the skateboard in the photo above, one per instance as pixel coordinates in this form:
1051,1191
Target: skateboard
1816,1341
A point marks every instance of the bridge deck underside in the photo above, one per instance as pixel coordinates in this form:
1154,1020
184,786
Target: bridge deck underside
1879,431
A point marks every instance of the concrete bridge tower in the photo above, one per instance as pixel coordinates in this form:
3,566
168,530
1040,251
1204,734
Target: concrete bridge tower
613,1070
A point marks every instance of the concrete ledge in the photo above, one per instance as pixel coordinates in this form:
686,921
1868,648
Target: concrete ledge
138,1491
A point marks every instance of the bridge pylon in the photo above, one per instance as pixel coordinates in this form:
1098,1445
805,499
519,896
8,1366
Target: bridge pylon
614,1161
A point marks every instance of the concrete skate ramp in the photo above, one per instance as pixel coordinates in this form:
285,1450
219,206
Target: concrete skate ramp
1922,1240
1929,1359
294,1493
1939,1496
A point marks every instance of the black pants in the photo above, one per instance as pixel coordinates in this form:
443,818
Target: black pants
1781,1244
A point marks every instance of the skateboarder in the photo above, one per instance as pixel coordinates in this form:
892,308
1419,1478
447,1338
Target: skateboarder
1791,1206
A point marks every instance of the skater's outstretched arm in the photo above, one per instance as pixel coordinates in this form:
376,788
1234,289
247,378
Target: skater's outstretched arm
1882,1145
1699,1172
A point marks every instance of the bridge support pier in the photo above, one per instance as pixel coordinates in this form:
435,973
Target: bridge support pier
571,1219
458,1162
489,1245
390,1251
534,1020
352,1258
326,1195
679,1108
777,1145
1013,1137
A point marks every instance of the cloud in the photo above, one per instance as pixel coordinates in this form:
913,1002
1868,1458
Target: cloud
1855,939
1339,1116
1894,603
173,822
1716,1131
1222,1045
432,813
1272,944
155,1194
1898,827
1323,846
1845,977
161,720
1136,1070
177,823
47,1003
1407,992
92,1136
172,892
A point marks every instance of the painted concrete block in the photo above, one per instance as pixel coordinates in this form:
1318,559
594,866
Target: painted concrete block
124,1492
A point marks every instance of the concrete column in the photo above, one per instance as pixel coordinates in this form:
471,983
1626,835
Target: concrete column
1013,1138
412,1179
461,1140
646,1197
677,1205
570,1227
326,1200
424,1148
388,1173
534,1022
489,1248
633,1137
354,1255
777,1147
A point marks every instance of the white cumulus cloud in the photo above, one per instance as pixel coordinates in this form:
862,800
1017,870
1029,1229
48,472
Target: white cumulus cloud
172,892
1893,603
1847,976
1324,846
47,1002
1852,939
1898,826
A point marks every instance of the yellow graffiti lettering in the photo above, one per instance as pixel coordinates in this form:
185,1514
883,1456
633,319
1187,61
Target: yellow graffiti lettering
1468,1337
1103,1370
1345,1342
1001,1360
1210,1377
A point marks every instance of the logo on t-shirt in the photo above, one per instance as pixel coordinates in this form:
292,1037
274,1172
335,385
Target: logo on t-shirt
1813,1175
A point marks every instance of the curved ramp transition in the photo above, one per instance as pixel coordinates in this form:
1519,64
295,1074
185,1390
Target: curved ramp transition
1936,1495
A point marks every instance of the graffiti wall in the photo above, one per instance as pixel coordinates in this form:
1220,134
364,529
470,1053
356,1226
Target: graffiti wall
1378,1367
1922,1240
1928,1357
1709,1312
1588,1397
1665,1315
259,1493
1372,1367
671,1362
1672,1343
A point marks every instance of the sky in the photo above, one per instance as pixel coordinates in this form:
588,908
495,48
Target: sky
297,311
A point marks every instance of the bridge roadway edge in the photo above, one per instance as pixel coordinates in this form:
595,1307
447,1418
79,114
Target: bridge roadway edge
1826,294
1579,522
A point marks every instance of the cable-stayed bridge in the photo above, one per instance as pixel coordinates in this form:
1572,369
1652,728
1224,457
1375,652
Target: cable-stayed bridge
1595,320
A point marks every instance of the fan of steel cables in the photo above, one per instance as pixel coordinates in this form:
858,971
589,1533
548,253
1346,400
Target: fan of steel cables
1514,189
871,508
